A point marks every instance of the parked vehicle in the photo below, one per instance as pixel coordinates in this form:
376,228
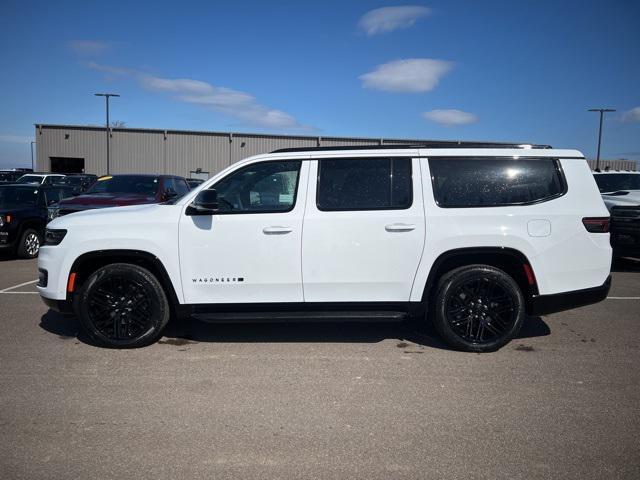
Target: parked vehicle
120,190
80,182
23,216
621,194
469,236
10,176
194,182
41,178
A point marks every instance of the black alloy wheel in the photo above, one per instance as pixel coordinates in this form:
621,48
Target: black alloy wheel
122,305
478,308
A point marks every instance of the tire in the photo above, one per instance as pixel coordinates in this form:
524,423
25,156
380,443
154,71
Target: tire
130,293
29,244
478,308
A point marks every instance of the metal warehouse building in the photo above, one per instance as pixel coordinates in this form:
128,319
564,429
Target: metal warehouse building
73,148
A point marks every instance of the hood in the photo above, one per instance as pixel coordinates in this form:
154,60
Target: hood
630,199
132,215
101,200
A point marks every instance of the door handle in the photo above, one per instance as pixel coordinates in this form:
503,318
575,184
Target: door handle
399,227
276,230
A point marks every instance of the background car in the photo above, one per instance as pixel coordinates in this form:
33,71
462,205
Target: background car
121,190
621,194
41,178
23,215
80,182
194,182
11,175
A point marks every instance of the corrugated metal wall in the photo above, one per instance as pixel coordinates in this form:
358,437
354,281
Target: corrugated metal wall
614,164
180,152
171,151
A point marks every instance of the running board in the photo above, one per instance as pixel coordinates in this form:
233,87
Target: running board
329,316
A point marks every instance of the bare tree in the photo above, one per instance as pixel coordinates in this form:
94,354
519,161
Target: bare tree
118,124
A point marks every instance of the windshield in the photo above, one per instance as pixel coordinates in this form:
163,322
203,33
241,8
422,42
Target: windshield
30,179
612,182
140,185
18,196
71,181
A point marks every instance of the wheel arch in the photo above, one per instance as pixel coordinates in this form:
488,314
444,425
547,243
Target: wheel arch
89,262
510,260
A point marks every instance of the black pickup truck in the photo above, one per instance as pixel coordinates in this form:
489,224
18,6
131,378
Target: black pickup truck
23,215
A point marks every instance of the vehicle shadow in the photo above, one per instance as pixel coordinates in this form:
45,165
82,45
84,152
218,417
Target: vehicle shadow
192,330
625,264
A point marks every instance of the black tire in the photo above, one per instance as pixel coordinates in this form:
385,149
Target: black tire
478,308
122,306
29,244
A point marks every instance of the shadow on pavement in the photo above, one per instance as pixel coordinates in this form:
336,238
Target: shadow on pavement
625,264
196,331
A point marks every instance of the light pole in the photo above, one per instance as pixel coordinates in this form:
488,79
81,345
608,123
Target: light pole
602,112
32,167
106,97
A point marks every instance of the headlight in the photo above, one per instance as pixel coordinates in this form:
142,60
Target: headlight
53,237
52,212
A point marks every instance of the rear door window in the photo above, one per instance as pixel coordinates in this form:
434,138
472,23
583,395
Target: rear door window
364,184
494,182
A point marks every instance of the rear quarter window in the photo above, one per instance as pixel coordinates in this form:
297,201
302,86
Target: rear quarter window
495,182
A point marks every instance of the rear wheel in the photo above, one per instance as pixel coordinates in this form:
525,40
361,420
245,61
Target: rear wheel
122,305
478,308
29,245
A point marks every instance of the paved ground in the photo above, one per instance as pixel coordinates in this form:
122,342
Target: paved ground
320,401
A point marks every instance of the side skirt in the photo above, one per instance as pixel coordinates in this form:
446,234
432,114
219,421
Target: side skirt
306,312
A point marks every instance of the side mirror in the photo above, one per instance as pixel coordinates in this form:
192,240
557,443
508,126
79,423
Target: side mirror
205,203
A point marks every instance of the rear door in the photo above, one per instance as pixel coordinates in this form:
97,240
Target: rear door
364,229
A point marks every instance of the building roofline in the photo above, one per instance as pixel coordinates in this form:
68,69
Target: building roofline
407,142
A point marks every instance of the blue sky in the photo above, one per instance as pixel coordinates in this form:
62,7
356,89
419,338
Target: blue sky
480,70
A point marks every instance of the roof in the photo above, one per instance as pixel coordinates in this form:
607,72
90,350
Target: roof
395,142
428,144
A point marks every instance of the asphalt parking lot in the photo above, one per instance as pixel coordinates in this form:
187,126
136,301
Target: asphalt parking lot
320,401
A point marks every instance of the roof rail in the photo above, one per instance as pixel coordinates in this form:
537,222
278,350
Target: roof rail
433,144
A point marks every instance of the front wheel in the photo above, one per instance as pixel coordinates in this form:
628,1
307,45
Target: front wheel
478,308
123,306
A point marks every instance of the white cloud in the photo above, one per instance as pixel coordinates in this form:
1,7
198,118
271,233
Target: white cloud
388,19
233,103
410,75
450,117
631,116
89,47
9,138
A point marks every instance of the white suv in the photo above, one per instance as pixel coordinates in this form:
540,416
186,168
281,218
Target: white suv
469,236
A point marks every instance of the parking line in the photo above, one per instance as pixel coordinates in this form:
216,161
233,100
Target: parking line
623,298
19,293
6,290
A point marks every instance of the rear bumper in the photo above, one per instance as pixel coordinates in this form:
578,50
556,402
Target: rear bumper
545,304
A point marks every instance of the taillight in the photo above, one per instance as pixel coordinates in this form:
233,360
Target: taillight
596,224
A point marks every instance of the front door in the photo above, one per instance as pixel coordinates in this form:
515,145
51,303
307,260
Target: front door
249,252
364,230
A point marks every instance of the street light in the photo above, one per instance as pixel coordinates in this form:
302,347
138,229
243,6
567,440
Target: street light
106,97
602,112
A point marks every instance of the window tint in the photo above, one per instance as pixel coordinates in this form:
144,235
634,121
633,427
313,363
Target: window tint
465,182
181,186
262,187
613,182
364,184
142,185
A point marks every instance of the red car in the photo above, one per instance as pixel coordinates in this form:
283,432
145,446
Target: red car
121,190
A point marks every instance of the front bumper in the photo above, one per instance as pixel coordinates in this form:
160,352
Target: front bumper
63,306
558,302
